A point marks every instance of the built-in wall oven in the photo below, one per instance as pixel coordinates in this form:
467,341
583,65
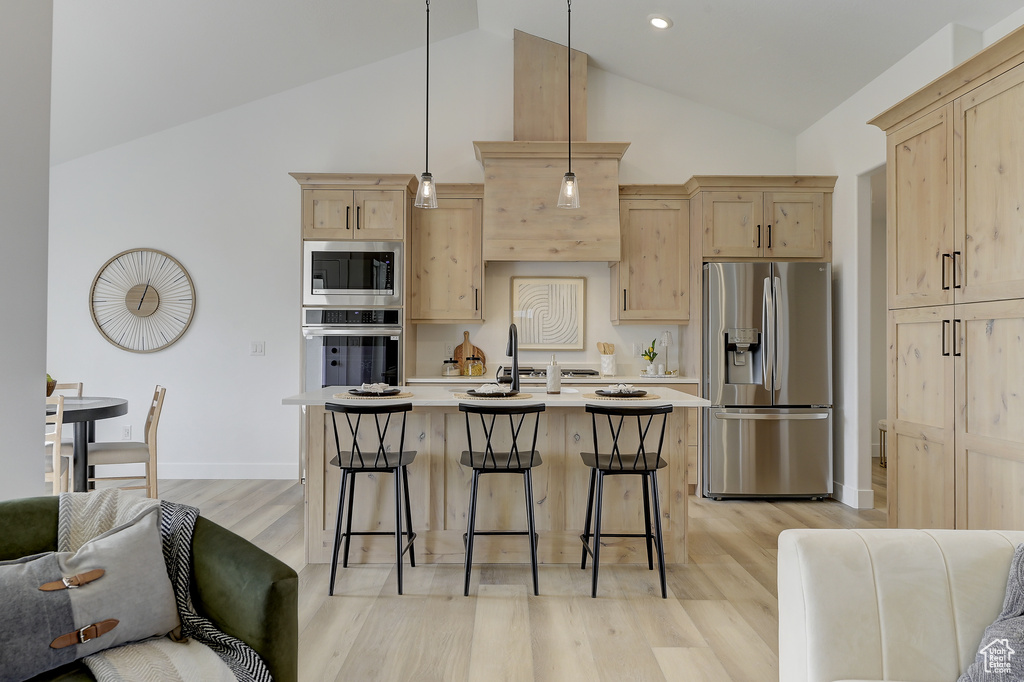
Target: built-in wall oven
350,347
351,273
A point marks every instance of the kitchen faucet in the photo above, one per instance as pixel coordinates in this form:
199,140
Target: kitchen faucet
512,350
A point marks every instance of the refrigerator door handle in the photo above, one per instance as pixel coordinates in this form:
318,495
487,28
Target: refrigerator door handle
778,324
771,417
767,334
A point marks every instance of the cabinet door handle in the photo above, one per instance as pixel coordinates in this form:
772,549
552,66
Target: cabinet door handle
623,300
476,299
348,213
945,287
956,254
945,326
769,236
357,216
956,335
759,236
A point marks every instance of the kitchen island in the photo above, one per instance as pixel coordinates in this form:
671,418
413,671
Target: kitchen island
439,485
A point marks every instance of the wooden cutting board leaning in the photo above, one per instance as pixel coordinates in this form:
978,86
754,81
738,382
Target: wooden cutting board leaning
466,350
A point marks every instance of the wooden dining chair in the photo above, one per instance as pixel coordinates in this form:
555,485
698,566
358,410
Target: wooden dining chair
58,455
132,452
69,389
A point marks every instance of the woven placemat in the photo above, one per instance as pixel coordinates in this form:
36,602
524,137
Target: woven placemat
349,396
518,396
594,396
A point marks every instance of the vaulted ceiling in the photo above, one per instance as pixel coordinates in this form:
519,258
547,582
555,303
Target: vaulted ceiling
123,69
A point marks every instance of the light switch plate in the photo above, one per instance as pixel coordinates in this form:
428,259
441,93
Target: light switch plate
257,348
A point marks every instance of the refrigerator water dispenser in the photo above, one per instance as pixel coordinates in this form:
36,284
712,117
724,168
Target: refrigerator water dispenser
743,356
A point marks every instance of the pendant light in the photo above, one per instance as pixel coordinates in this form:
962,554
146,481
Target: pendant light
426,194
569,196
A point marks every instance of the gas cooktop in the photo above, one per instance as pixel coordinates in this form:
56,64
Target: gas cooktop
567,373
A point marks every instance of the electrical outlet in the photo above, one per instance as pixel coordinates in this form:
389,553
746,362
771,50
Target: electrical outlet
126,432
449,350
638,348
257,348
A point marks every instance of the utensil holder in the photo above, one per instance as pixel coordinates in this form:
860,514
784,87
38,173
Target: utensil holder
607,365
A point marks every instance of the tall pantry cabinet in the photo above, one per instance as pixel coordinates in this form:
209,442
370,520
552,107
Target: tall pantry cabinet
955,193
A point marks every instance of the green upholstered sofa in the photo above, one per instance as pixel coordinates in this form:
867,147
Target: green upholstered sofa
244,591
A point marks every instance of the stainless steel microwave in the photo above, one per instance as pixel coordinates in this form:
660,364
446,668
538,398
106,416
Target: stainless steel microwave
351,273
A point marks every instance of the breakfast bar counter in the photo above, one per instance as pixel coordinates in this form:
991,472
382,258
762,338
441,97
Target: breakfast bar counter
439,485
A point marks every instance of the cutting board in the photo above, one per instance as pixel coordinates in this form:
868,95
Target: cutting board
466,349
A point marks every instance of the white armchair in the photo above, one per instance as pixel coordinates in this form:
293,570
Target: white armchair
887,604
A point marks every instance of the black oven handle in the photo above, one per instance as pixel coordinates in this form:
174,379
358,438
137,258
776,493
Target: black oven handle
311,332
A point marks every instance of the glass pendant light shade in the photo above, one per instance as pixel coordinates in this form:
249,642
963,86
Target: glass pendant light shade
426,196
569,196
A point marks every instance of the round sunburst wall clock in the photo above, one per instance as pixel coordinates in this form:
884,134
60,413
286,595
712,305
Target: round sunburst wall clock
142,300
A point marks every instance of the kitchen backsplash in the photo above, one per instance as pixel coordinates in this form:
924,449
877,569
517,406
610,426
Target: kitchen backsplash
491,336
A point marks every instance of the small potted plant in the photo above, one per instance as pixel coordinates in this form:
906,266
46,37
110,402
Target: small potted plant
649,356
51,384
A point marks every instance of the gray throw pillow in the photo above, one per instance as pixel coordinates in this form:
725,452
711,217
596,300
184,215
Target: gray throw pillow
133,599
1001,651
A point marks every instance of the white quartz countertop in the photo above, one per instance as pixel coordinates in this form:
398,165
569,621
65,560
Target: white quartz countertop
600,381
447,396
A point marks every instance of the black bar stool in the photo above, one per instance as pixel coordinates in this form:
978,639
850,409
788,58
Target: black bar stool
515,461
611,460
358,461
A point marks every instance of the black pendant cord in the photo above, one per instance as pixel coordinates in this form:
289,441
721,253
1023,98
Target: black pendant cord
426,106
568,71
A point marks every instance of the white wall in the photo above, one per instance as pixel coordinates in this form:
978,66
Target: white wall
25,39
842,143
216,194
877,304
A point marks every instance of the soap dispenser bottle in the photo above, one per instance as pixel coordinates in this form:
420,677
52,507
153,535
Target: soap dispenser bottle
554,377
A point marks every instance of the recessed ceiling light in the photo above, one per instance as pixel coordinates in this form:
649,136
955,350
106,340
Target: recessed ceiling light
659,21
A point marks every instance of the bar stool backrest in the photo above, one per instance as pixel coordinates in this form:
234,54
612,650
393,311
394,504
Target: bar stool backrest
517,457
381,413
643,450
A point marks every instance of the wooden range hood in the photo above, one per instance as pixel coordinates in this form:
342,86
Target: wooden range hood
521,220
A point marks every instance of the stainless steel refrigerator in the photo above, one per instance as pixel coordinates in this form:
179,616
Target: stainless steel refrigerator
768,375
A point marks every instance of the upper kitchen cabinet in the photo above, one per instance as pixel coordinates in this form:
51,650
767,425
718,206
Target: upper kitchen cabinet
988,145
920,211
361,206
764,217
651,281
445,258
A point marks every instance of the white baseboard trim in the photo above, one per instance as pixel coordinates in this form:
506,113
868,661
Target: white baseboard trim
235,470
852,497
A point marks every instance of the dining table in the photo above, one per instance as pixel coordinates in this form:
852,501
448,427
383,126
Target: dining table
83,413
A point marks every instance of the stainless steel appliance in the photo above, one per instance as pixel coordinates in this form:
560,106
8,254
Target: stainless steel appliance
768,375
350,273
349,347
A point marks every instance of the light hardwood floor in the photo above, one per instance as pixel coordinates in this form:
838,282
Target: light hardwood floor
720,622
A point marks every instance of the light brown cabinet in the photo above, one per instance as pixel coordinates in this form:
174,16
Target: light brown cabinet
769,217
355,206
955,157
956,422
652,280
445,258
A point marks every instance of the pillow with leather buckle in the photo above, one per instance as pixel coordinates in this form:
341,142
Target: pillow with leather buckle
62,606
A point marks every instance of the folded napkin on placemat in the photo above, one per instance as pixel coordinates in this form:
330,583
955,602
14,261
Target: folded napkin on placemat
374,388
621,388
497,389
